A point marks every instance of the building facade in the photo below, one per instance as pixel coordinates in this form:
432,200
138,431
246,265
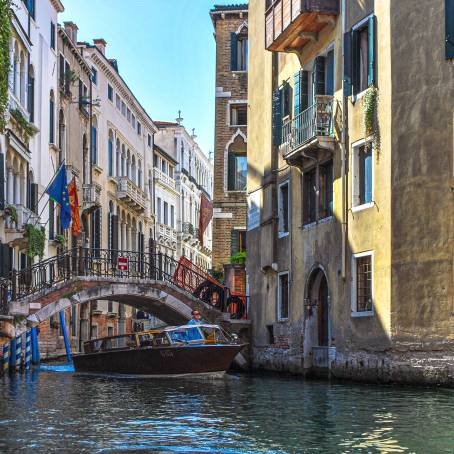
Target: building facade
230,149
350,177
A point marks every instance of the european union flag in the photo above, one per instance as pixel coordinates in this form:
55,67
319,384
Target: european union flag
58,191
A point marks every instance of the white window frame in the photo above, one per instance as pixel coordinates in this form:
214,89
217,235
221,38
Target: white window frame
231,106
281,233
355,176
279,316
354,307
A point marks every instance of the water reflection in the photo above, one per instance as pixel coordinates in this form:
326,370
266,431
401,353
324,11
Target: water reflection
239,414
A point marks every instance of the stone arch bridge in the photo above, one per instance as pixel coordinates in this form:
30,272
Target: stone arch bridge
153,283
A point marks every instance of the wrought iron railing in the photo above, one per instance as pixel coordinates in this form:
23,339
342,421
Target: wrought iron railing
315,121
81,262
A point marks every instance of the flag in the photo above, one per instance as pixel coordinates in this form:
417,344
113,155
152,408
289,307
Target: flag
58,191
206,213
74,204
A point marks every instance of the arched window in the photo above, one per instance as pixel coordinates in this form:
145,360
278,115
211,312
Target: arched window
94,142
118,156
237,165
52,117
110,153
16,70
61,136
139,174
123,161
133,169
22,79
86,164
150,186
31,93
128,164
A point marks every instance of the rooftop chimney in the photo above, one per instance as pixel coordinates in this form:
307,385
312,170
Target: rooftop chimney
71,30
100,43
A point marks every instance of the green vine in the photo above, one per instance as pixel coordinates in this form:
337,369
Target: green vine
239,258
10,210
60,239
26,129
5,38
36,240
370,110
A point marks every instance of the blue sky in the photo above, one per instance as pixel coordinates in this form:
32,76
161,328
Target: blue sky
165,51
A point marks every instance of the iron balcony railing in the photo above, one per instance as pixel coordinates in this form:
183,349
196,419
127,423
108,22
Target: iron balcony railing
315,121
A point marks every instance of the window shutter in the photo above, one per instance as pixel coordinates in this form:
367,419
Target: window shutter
34,197
114,229
51,219
304,91
234,242
449,15
62,70
231,172
348,64
233,51
277,117
5,260
297,94
330,73
2,181
319,76
371,42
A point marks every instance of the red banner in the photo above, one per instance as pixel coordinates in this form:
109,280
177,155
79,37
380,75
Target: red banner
74,204
206,214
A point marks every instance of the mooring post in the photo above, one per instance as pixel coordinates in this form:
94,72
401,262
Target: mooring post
65,335
5,357
35,346
18,352
28,337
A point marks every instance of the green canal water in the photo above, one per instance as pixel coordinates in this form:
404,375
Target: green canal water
63,412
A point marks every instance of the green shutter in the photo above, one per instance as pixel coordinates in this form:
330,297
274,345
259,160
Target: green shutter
297,94
319,76
233,51
277,117
371,42
330,73
449,16
348,64
234,242
304,89
355,61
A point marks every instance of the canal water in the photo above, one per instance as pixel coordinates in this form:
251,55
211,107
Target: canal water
51,411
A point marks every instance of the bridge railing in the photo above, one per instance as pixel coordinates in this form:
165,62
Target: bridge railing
105,263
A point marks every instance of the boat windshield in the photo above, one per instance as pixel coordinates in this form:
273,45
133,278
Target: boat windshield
190,333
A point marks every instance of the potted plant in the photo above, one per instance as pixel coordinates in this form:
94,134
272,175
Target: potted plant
60,239
10,210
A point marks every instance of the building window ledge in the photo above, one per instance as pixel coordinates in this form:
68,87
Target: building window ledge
363,314
362,207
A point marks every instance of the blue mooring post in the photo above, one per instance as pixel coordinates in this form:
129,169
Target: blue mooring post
35,346
5,357
65,335
18,352
28,338
12,354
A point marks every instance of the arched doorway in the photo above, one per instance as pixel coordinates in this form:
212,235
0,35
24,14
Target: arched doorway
318,295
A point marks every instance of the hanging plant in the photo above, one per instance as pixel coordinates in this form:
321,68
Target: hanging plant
370,110
36,240
5,39
10,210
60,239
239,258
26,129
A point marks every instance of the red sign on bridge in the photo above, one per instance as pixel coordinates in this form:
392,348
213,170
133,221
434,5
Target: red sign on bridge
123,264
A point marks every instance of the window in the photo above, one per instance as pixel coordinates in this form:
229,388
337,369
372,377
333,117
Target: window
123,108
237,165
166,213
164,166
31,94
159,209
449,41
155,161
172,216
52,35
283,296
51,118
128,115
110,153
139,128
237,241
110,92
239,51
118,102
359,64
171,170
283,203
94,330
30,5
238,115
96,231
318,194
133,121
110,310
94,145
286,98
149,140
362,284
94,75
362,175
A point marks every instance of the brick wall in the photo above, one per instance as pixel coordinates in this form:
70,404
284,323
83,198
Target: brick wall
226,203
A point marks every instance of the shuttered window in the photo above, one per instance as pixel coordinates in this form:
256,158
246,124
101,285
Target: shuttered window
52,35
277,118
363,178
233,52
318,76
449,15
237,241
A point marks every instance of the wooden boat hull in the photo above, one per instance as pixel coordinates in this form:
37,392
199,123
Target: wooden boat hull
170,360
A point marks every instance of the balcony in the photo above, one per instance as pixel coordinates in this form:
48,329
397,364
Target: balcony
131,194
91,196
290,24
188,228
166,233
311,129
15,229
164,179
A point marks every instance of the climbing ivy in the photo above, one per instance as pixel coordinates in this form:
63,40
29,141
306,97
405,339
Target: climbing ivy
370,110
36,240
60,239
26,129
5,38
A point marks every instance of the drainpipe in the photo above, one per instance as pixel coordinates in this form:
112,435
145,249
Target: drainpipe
343,155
